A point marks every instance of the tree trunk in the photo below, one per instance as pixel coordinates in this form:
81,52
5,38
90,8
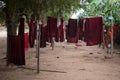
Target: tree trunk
10,31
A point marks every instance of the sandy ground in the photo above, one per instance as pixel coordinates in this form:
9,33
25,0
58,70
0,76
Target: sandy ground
62,63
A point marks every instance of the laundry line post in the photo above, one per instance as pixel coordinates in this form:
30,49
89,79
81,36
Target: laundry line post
38,46
103,33
111,26
112,44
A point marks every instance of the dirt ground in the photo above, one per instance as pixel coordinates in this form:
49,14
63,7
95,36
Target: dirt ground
65,62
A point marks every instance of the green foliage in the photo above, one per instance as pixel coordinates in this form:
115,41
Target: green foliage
2,17
55,8
103,8
63,8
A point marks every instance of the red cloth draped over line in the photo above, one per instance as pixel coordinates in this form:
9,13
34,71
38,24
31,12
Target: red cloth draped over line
115,32
32,33
51,28
61,31
66,31
81,28
26,39
17,55
21,32
43,36
93,31
57,37
17,52
72,31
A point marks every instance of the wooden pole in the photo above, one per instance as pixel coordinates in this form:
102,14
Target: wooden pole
110,48
112,44
103,34
38,35
38,45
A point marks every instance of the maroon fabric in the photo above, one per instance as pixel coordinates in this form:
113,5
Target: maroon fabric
43,36
72,27
115,32
72,31
93,31
61,31
51,28
81,28
47,34
21,27
32,33
17,54
57,36
66,31
26,39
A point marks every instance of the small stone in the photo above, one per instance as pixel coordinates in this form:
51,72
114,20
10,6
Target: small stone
58,57
90,53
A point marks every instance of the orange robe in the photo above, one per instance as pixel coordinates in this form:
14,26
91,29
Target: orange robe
108,38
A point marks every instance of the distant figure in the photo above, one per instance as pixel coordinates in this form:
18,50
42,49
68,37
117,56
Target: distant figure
108,38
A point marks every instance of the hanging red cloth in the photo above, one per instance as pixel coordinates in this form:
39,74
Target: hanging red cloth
32,33
43,36
26,39
93,31
61,31
17,44
81,28
51,28
115,32
72,31
17,53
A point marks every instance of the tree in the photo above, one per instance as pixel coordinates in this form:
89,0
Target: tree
2,16
102,8
40,8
